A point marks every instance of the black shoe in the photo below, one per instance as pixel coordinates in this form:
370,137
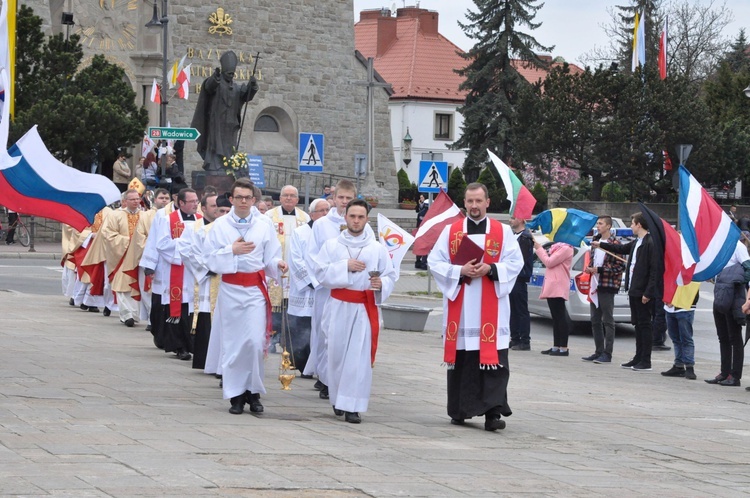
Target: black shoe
590,357
458,421
730,381
337,412
10,242
93,309
352,417
318,386
106,311
690,373
493,423
254,400
629,364
560,352
675,371
303,376
717,379
641,367
323,392
603,358
183,355
238,405
521,347
148,328
546,351
72,302
129,322
660,347
84,307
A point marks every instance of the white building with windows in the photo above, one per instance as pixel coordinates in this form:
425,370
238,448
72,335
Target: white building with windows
418,61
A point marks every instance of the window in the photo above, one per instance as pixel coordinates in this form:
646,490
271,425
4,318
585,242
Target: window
266,123
443,126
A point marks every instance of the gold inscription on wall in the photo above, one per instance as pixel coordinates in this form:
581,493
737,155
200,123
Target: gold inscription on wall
203,71
220,21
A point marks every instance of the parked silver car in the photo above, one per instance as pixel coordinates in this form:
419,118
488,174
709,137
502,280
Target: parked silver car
577,304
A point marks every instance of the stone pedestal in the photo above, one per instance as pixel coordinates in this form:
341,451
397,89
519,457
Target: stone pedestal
222,182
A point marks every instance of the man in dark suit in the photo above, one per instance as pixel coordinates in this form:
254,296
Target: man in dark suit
642,283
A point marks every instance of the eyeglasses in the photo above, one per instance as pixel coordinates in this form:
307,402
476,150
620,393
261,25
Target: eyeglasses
243,198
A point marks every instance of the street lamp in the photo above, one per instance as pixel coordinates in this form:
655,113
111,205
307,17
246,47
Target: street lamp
746,91
407,148
163,23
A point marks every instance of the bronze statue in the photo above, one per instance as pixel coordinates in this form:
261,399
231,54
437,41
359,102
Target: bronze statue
217,115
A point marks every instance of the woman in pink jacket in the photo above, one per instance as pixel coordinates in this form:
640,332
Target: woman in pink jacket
556,290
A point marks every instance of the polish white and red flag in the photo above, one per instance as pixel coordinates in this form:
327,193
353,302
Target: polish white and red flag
183,83
156,92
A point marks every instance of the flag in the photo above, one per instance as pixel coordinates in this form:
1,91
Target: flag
709,233
639,42
148,145
668,246
564,224
663,51
395,239
33,182
521,201
7,44
443,212
156,93
183,80
174,71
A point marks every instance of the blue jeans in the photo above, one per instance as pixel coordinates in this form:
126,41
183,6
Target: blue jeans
680,328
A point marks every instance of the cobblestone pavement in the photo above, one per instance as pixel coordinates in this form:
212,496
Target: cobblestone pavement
91,408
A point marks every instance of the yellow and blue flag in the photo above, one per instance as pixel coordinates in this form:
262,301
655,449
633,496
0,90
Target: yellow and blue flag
564,224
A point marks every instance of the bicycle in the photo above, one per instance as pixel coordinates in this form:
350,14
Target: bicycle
22,233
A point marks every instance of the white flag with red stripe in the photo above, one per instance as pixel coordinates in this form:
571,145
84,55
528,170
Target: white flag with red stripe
183,83
442,213
156,92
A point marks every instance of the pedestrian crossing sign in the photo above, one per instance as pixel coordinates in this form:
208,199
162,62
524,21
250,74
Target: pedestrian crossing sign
311,152
433,176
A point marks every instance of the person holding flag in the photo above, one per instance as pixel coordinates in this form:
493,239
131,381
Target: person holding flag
606,277
475,263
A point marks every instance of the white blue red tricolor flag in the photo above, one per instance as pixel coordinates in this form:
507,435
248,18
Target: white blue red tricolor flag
708,231
33,182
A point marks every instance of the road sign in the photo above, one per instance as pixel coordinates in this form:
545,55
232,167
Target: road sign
433,175
255,171
157,133
311,152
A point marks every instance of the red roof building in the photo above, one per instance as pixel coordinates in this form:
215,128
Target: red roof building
410,53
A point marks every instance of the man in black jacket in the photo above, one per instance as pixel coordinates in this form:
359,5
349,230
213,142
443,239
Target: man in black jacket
642,282
520,321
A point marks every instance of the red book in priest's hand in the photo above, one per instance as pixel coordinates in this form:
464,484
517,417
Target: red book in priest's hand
467,251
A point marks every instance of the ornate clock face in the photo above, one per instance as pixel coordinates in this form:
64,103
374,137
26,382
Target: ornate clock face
107,24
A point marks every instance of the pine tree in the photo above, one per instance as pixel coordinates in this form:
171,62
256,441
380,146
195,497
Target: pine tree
738,57
492,78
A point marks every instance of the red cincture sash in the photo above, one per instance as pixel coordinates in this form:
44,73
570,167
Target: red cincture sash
493,246
256,279
366,297
176,272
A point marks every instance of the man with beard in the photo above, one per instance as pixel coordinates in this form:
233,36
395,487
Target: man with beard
477,311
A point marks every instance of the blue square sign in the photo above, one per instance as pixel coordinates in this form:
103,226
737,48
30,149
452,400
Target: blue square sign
311,152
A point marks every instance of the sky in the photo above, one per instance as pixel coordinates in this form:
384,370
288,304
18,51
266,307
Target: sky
572,26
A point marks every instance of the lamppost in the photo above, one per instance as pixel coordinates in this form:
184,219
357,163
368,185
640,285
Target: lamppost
746,91
163,23
406,151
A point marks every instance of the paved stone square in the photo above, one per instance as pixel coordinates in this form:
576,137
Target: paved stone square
89,407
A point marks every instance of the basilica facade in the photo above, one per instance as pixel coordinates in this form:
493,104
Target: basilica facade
311,78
